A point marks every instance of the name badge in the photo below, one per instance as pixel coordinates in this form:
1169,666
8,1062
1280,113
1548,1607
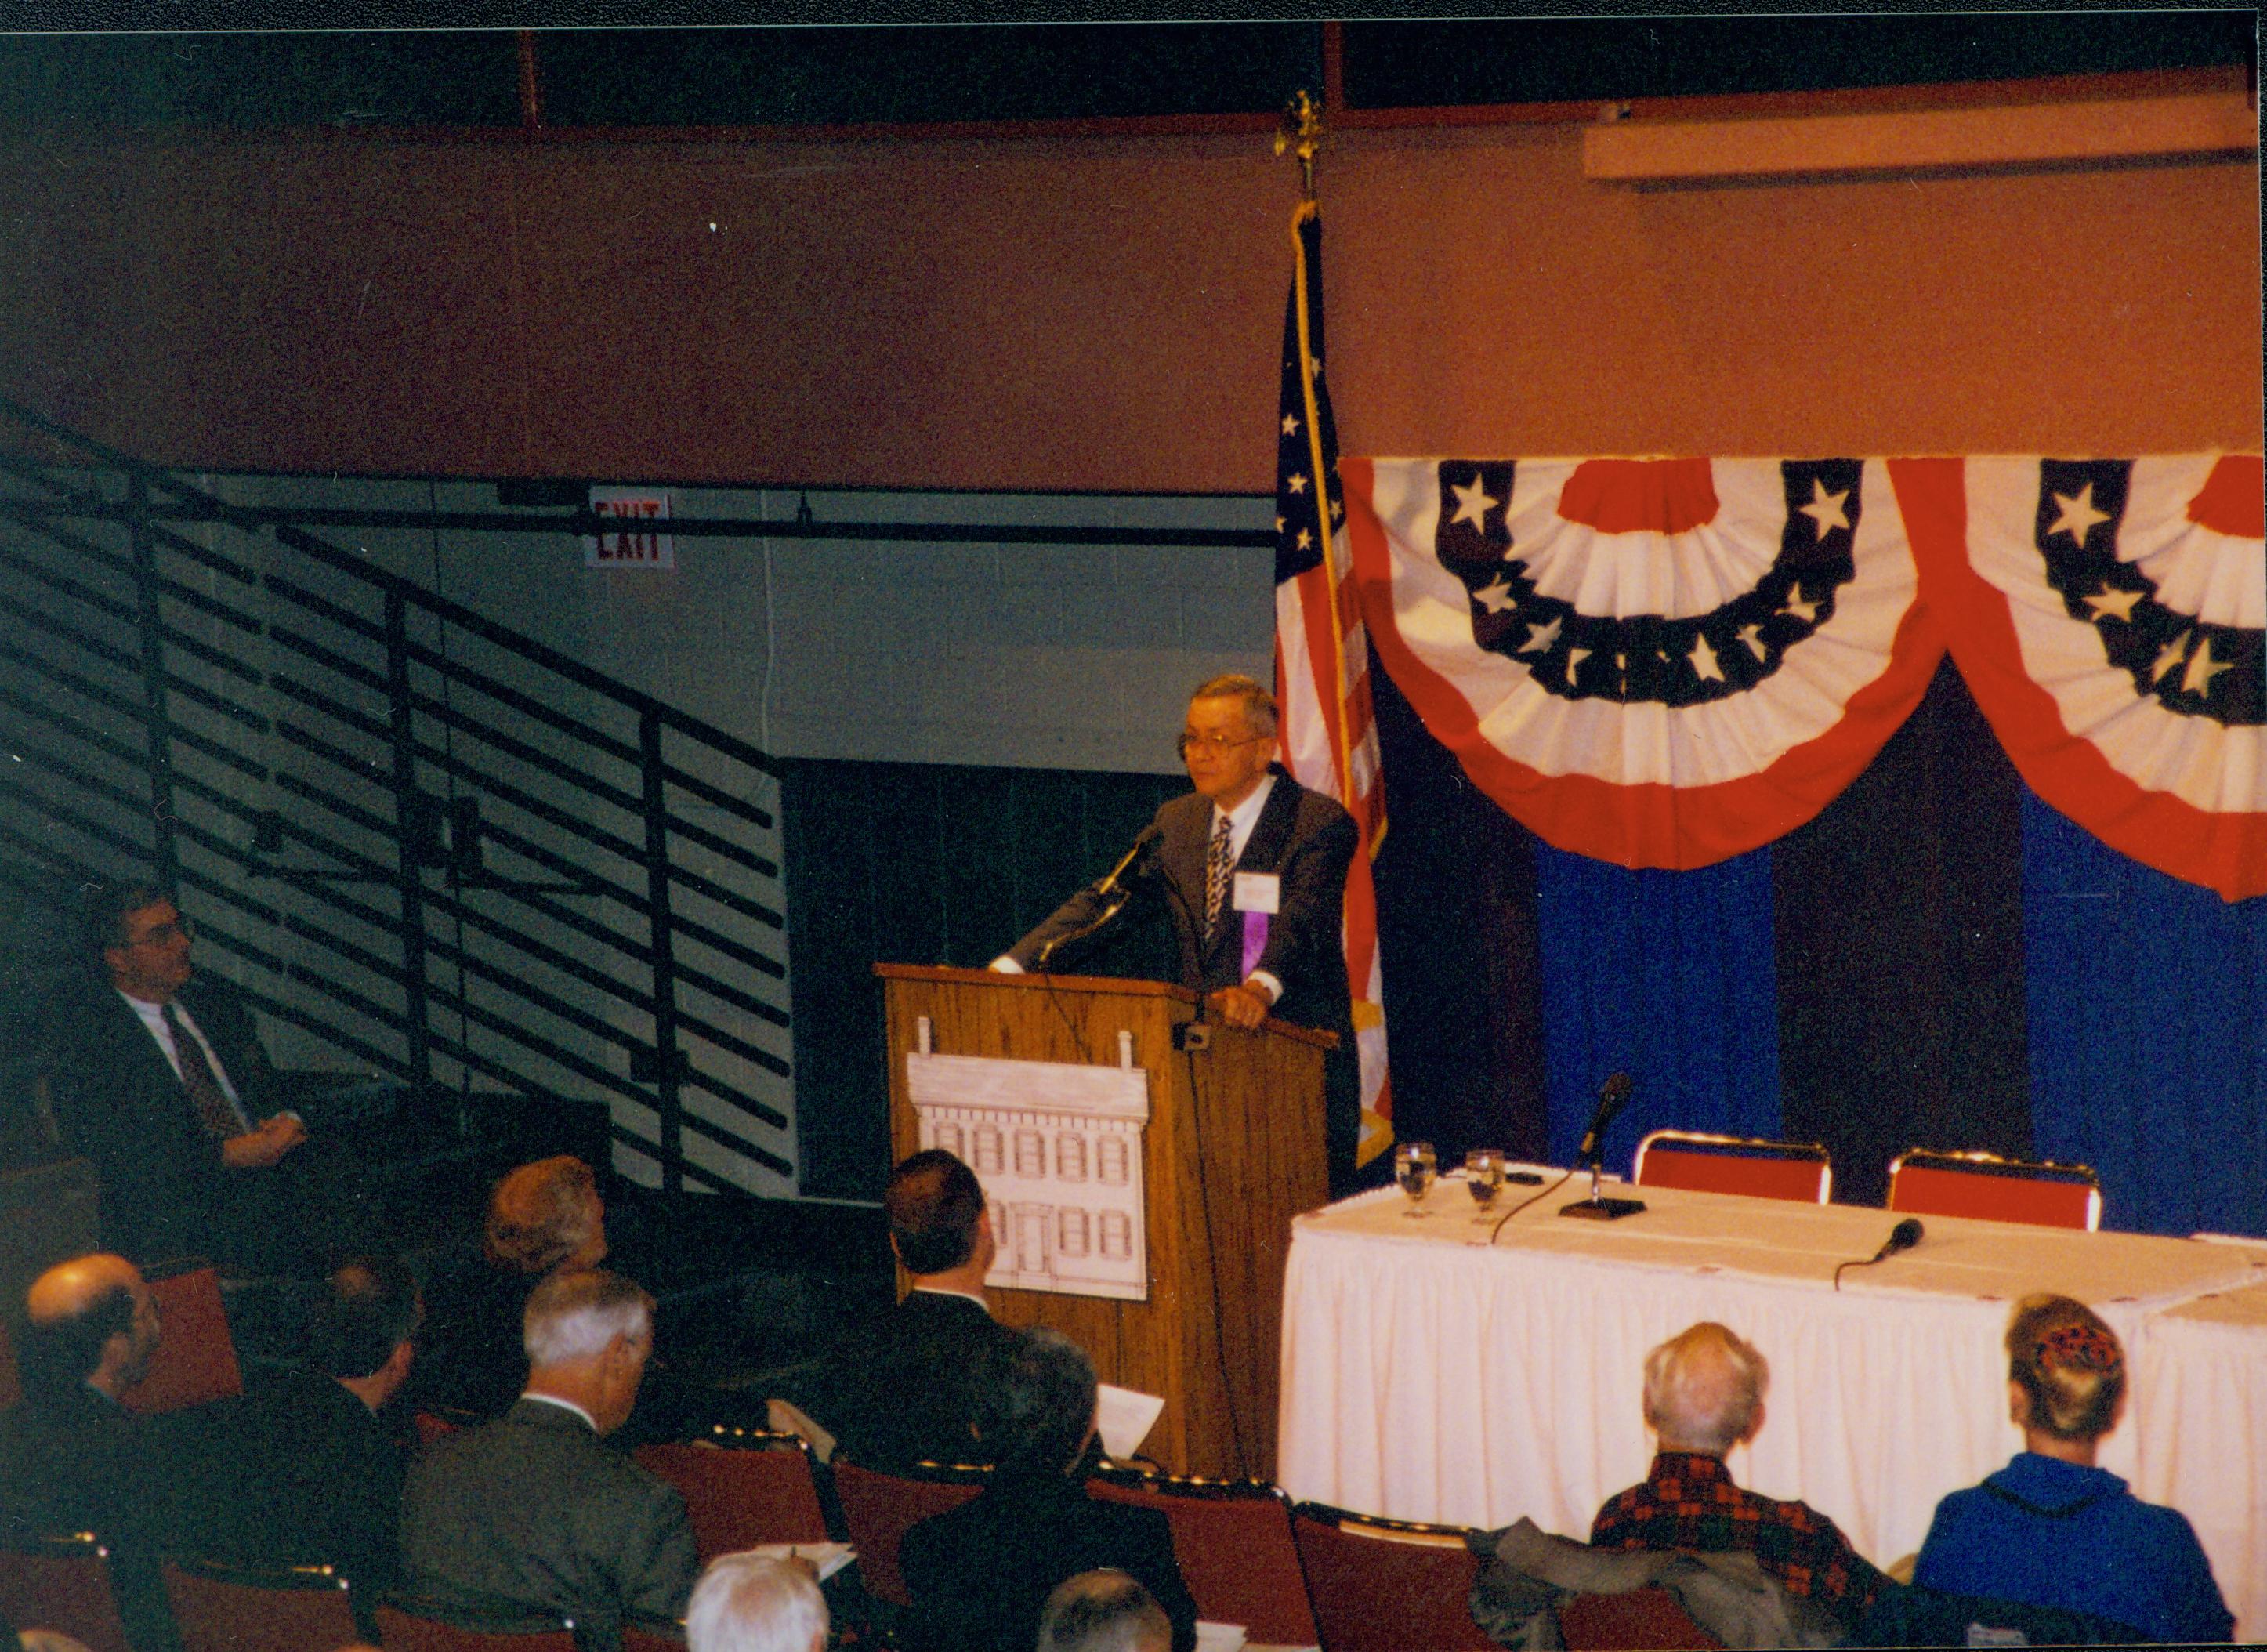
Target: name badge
1258,891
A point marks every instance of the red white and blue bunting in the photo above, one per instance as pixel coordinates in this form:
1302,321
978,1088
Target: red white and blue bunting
2111,618
1658,663
1666,662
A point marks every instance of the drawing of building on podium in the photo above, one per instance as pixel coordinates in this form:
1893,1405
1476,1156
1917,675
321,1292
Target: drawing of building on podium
1057,1149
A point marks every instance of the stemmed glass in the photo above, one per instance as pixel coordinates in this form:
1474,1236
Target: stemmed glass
1484,1177
1414,1165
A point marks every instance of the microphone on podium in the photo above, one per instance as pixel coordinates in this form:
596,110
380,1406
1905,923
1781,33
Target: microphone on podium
1112,892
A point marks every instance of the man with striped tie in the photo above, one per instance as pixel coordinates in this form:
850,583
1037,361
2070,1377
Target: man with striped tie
1251,869
159,1078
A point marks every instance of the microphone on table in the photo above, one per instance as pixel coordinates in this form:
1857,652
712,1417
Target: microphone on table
1904,1237
1613,1095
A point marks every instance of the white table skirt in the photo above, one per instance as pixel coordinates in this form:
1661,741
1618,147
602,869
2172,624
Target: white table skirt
1429,1377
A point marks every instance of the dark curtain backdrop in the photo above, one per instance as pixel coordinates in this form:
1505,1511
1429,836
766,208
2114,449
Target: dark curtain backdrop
2148,1033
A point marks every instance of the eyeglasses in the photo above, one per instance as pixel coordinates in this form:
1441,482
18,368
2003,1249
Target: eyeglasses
1212,745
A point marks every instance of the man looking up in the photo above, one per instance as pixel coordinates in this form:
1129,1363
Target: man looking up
902,1390
530,1514
1704,1395
1251,870
159,1077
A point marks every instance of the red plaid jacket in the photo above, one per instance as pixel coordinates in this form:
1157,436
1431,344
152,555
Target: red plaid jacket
1688,1503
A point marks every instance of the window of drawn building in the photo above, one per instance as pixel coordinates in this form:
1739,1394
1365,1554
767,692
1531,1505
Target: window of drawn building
1072,1227
1113,1163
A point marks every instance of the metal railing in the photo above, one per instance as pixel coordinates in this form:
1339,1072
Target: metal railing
439,848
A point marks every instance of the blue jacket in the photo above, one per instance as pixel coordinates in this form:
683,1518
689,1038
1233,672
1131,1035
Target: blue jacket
2049,1533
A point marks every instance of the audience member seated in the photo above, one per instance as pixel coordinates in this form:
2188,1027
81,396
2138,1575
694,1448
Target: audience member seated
1103,1611
531,1513
543,1218
160,1079
751,1603
306,1470
899,1391
71,1458
2052,1529
980,1575
1704,1395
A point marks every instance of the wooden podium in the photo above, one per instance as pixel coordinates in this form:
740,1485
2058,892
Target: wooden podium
1233,1150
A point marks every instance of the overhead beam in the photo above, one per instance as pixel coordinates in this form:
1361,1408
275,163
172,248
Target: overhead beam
2106,131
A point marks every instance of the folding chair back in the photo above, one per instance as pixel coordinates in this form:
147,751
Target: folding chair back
226,1608
1926,1184
401,1629
878,1510
1386,1585
62,1583
749,1487
196,1360
1734,1164
1642,1620
1232,1540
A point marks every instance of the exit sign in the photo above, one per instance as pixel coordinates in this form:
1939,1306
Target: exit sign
645,544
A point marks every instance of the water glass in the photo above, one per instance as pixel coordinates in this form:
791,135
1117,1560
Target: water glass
1484,1177
1413,1165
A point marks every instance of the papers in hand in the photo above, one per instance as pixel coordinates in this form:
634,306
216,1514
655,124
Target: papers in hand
828,1558
1219,1637
1125,1417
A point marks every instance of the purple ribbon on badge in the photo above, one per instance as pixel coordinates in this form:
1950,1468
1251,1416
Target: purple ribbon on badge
1255,940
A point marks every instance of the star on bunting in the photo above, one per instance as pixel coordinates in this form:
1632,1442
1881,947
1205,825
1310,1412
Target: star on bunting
2078,516
2168,657
1752,635
1290,425
1296,481
2202,668
2109,603
1805,612
1574,658
1826,509
1472,504
1304,540
1704,660
1495,598
1539,637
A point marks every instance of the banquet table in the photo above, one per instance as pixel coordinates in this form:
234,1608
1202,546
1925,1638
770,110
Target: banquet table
1431,1375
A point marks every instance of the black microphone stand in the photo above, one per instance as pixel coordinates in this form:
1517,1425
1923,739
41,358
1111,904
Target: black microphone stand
1597,1207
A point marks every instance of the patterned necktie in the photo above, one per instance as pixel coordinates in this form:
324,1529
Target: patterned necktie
1218,862
216,1112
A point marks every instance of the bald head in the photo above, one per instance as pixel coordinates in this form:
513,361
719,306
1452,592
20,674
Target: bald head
1703,1391
90,1320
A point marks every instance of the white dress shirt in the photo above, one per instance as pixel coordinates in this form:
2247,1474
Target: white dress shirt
153,1016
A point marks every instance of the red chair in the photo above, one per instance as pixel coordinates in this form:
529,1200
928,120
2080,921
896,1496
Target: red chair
1734,1164
196,1360
1232,1540
1928,1183
742,1488
227,1608
644,1637
1642,1620
1388,1585
878,1510
62,1583
403,1630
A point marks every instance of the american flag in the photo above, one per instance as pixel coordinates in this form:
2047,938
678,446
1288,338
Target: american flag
1321,654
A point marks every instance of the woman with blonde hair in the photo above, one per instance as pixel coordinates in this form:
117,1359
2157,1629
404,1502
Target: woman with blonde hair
2052,1529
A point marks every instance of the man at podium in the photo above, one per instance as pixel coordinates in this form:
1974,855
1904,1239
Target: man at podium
1250,869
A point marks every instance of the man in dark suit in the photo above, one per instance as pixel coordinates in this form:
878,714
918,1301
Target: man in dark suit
72,1458
306,1470
980,1575
901,1390
1251,869
532,1514
158,1078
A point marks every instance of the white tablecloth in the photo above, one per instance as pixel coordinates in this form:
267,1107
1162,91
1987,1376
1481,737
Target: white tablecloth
1429,1377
